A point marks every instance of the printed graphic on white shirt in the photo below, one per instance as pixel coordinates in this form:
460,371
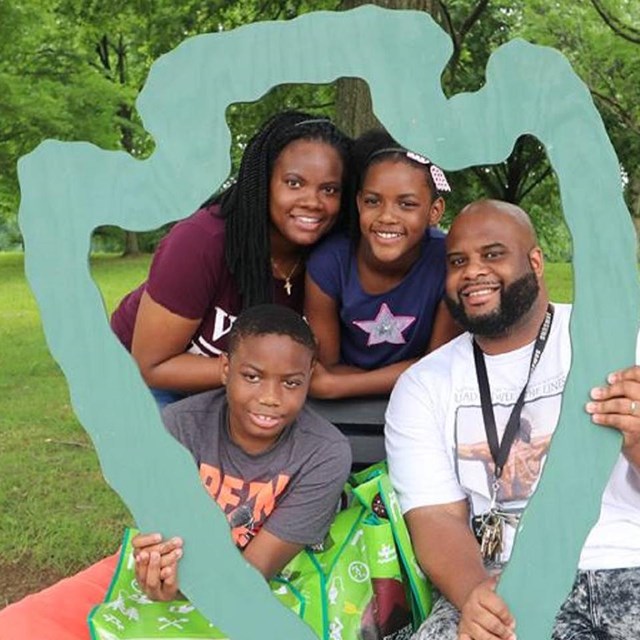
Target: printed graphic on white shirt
475,466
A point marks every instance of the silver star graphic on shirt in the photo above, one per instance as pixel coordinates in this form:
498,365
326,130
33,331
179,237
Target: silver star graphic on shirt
385,327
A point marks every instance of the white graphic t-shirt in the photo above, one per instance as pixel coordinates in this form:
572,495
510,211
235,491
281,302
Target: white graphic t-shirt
438,451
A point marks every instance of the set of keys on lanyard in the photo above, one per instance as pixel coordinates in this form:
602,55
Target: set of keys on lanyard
489,527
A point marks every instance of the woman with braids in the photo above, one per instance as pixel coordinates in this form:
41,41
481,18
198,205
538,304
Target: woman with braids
245,246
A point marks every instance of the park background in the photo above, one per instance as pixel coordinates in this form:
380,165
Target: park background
71,70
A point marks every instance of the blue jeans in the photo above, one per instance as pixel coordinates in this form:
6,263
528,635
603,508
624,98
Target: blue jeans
163,397
602,605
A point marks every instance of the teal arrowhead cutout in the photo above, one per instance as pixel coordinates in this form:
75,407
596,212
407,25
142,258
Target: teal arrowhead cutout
68,189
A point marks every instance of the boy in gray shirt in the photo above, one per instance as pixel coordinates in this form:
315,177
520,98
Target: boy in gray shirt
274,467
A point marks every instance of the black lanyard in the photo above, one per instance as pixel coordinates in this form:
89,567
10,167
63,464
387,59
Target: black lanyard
500,452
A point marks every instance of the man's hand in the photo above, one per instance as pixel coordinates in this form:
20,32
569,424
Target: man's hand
617,405
485,615
157,565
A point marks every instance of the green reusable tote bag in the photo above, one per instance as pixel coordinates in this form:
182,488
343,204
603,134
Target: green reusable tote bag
361,583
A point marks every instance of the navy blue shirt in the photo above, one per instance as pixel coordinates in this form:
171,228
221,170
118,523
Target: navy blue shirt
380,329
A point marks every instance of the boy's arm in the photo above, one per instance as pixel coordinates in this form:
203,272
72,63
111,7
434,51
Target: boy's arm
268,553
448,552
305,513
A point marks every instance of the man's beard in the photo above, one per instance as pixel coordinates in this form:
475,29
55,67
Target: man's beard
515,301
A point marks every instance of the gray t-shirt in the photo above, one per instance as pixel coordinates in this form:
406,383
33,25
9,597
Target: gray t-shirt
292,489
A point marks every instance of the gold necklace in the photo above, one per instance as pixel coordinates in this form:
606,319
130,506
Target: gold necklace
287,278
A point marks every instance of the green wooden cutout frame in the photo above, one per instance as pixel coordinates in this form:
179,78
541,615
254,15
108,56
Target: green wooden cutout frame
68,189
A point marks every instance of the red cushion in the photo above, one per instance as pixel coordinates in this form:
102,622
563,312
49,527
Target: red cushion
59,612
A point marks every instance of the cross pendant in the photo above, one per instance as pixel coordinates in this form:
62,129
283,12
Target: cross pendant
287,287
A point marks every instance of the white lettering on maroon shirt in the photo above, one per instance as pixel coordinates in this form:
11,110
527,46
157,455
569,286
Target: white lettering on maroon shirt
222,324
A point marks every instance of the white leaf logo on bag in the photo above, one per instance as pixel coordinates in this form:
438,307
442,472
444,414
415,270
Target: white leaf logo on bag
386,554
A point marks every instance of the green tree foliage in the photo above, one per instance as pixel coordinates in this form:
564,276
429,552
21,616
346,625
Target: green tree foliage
47,92
476,28
602,40
71,69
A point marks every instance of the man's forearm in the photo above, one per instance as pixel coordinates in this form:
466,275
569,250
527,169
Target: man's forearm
447,552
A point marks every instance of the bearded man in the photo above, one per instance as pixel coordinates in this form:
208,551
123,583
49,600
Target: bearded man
465,466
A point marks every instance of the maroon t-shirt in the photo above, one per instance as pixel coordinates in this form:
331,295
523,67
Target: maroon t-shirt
189,277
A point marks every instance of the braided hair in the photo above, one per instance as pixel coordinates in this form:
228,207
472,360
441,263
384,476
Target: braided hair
245,204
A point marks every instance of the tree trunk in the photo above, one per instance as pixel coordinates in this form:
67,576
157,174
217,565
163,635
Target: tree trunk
354,110
131,246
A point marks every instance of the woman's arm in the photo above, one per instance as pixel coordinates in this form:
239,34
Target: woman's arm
160,338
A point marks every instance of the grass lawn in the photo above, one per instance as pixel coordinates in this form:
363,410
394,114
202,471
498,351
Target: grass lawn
56,512
559,278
